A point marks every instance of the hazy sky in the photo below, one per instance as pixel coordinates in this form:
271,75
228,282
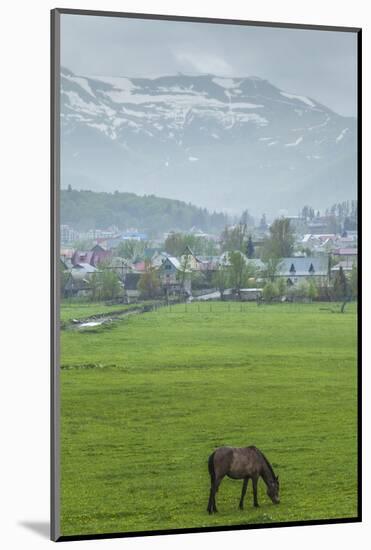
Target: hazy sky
318,64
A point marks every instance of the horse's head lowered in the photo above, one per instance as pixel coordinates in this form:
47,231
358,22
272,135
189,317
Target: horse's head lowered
273,490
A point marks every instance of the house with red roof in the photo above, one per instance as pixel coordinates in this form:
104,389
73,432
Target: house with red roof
94,257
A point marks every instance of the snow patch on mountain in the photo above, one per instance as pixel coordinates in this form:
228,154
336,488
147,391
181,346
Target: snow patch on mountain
225,82
244,105
102,127
119,82
82,82
294,143
321,125
76,103
302,98
341,135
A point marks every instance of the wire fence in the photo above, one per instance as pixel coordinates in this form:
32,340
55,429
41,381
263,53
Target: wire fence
221,308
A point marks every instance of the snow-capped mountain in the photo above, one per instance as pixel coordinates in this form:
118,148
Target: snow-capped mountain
222,143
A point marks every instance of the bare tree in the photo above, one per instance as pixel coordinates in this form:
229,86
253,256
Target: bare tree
221,279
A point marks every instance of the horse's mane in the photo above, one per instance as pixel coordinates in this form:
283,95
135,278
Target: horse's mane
267,462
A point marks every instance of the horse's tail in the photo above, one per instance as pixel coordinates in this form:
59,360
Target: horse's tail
211,467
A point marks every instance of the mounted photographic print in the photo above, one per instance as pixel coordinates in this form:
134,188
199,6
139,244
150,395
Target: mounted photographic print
205,309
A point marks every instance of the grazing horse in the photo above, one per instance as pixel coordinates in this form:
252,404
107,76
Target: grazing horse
241,463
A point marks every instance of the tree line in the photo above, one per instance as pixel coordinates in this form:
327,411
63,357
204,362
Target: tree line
84,210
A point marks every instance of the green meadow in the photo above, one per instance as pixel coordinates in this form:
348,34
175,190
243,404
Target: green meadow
146,399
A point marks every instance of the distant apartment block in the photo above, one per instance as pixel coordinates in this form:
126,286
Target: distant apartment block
68,234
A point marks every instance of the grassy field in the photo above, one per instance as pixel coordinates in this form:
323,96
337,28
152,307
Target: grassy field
147,399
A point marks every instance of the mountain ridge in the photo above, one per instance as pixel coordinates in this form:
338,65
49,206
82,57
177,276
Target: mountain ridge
223,143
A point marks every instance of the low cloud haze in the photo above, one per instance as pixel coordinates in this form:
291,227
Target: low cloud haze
318,64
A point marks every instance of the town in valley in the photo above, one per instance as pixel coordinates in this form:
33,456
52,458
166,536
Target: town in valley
310,256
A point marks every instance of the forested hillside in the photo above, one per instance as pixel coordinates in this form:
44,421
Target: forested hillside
85,210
